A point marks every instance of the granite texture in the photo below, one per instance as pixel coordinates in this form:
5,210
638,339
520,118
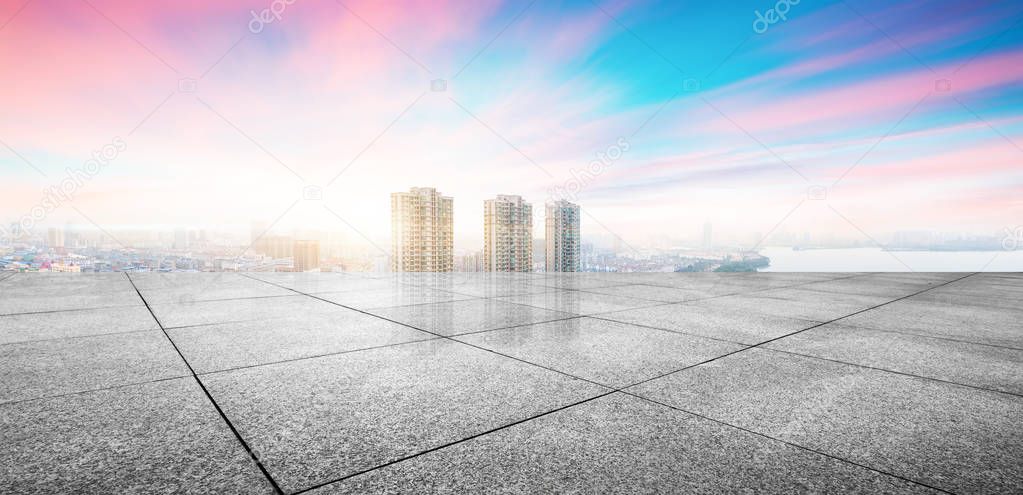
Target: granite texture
318,419
509,383
467,316
978,365
745,327
30,370
249,343
622,444
610,353
953,437
162,437
74,323
959,320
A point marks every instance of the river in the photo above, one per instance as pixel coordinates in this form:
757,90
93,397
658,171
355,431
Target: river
784,259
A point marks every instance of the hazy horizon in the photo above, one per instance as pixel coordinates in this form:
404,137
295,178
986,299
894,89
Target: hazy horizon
852,120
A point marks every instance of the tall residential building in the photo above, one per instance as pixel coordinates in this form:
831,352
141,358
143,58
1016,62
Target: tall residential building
275,246
708,241
55,237
562,237
470,262
507,234
181,239
307,255
422,231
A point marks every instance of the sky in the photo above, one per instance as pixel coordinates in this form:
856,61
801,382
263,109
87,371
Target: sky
853,118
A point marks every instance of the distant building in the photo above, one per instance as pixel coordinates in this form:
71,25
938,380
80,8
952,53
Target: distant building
507,234
422,231
256,231
61,267
55,237
181,240
307,255
275,246
562,237
708,240
539,255
470,262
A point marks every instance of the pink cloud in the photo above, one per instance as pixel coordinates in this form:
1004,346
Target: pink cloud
882,97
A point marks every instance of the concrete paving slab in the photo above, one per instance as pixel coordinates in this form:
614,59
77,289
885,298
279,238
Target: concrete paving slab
654,293
232,345
320,419
580,280
472,315
233,310
315,283
402,295
952,437
578,302
248,288
790,303
162,437
977,365
30,370
980,324
621,444
75,323
746,327
610,353
27,300
328,392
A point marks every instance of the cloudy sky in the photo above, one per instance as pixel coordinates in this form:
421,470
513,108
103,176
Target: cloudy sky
855,117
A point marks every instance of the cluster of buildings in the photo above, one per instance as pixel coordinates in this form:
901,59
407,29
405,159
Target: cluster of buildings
422,233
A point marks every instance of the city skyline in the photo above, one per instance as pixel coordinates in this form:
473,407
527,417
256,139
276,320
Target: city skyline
824,122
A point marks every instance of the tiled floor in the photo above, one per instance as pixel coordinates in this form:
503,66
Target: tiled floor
525,383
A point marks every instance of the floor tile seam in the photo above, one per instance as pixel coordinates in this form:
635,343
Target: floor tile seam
681,332
448,337
719,296
199,301
453,443
91,308
860,326
797,284
782,337
528,305
92,390
866,309
209,396
786,442
78,337
429,338
467,298
895,372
